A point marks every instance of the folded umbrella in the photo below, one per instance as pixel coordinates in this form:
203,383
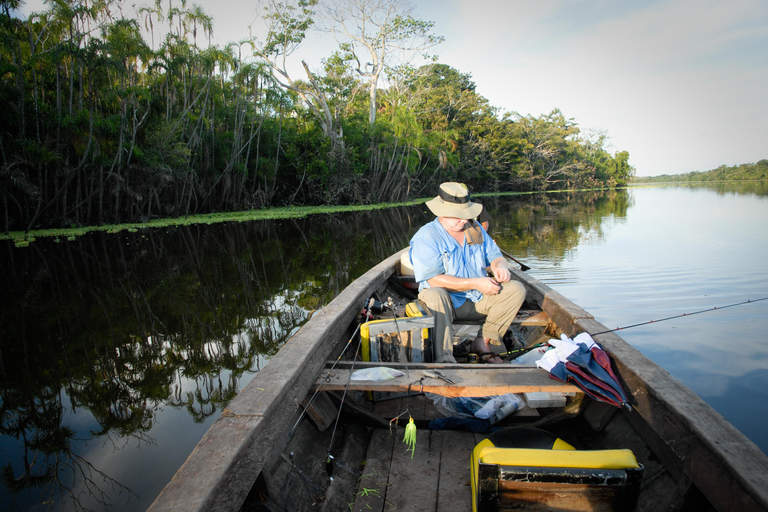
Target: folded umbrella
584,363
585,359
571,373
604,360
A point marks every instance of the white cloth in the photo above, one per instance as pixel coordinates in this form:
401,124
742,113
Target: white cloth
564,347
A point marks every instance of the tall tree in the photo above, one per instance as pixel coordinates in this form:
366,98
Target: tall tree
550,148
378,28
287,24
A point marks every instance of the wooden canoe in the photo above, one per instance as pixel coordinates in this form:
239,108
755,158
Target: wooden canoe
257,456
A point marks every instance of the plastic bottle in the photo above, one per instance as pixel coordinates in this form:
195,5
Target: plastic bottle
510,403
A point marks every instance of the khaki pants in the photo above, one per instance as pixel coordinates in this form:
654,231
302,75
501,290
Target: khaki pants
498,311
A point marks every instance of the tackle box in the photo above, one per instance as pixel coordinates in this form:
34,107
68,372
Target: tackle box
401,339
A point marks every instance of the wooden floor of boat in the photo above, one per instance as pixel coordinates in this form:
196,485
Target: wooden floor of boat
436,478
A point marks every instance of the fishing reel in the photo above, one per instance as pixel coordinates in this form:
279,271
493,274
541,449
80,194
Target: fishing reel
374,307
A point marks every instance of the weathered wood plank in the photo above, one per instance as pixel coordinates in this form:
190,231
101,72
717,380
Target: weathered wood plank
360,414
321,411
430,412
253,430
524,318
389,409
491,380
415,406
413,480
374,484
527,318
346,474
454,492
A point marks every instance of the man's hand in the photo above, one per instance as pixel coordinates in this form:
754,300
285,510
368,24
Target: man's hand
502,274
500,270
485,285
488,286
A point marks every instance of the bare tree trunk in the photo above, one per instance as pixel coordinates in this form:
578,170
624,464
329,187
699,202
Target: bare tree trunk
20,86
82,88
32,48
271,189
114,169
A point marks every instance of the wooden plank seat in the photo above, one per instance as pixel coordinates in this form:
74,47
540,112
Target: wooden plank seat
469,379
381,341
524,318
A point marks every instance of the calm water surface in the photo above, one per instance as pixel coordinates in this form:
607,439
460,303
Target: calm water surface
118,351
676,251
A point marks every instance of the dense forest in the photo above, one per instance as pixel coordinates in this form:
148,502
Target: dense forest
754,171
109,116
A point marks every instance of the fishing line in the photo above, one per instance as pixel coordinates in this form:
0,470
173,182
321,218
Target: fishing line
329,459
680,316
314,395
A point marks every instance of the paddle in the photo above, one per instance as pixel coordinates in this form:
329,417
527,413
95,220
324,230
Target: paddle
523,266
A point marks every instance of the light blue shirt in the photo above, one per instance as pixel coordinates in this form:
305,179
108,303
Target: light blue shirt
434,251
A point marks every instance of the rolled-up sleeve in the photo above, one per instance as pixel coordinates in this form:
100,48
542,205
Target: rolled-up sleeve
492,250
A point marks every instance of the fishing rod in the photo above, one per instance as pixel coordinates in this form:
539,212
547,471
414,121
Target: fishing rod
371,305
680,316
524,350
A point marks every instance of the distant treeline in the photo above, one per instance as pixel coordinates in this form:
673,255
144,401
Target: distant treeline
110,117
755,171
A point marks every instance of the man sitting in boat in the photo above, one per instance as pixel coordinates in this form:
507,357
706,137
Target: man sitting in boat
450,256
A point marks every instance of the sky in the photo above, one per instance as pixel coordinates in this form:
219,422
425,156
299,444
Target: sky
679,84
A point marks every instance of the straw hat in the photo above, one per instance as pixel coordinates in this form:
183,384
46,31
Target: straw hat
453,200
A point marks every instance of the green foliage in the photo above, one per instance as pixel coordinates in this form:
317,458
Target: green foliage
751,171
102,127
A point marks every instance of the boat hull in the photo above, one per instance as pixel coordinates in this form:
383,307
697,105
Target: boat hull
701,454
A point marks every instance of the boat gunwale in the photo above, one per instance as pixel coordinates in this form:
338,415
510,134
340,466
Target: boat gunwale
220,471
729,469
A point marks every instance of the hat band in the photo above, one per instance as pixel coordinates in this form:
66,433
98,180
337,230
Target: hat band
445,196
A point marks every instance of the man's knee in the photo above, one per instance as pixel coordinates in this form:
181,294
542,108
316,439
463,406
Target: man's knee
513,292
435,298
514,288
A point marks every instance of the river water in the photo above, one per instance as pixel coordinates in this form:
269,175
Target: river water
117,351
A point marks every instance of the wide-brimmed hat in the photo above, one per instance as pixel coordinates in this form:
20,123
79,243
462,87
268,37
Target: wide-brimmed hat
453,200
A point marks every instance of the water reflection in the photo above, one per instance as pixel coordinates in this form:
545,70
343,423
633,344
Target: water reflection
100,335
104,336
681,250
757,188
541,229
117,351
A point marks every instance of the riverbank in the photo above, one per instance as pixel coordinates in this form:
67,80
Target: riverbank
24,238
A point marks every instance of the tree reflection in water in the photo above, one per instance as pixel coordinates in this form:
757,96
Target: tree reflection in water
119,326
114,328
